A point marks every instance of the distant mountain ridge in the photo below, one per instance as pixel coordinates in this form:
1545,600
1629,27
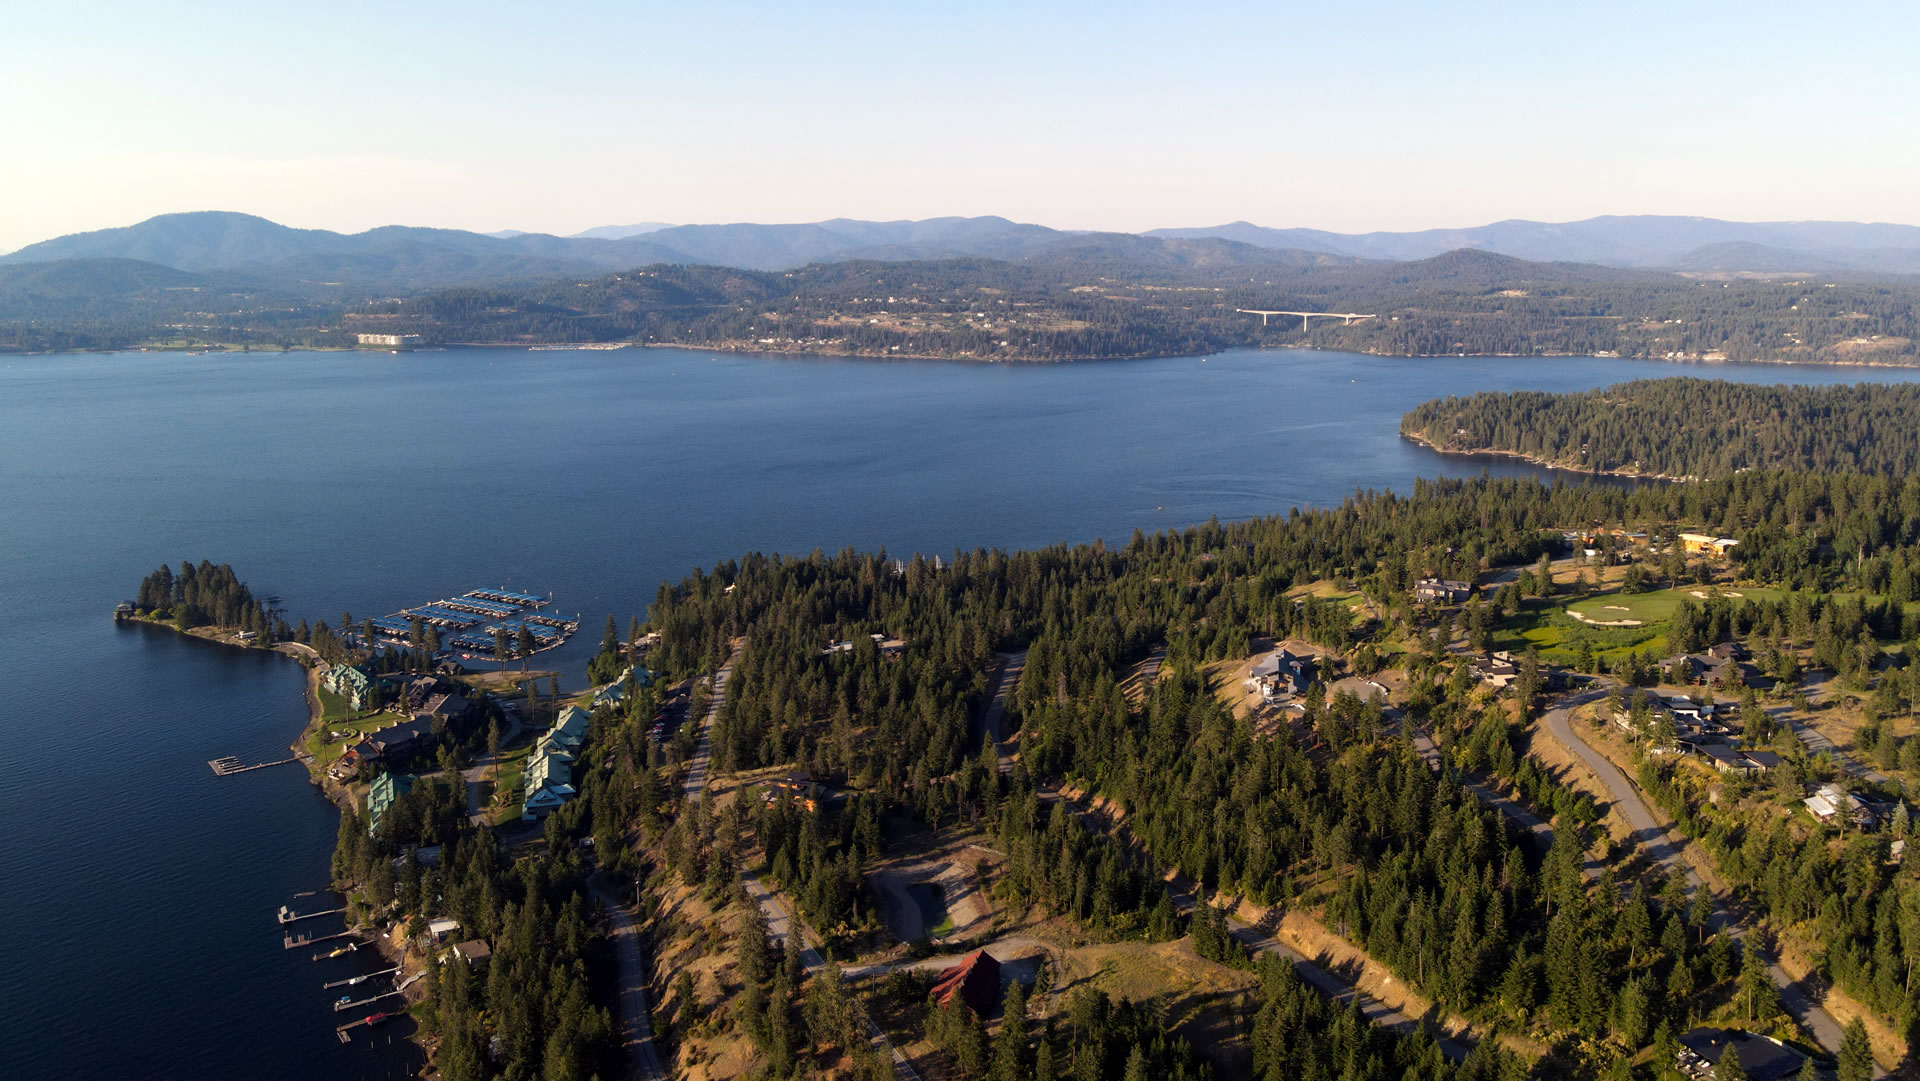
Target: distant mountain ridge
1647,240
411,258
250,251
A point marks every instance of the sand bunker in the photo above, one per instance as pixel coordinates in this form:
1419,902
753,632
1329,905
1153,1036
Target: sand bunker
1591,622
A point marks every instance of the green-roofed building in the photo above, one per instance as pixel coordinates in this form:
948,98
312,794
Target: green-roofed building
385,790
571,727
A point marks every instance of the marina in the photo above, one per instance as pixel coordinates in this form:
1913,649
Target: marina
491,624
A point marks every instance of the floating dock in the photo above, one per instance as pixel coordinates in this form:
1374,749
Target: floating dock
472,620
228,765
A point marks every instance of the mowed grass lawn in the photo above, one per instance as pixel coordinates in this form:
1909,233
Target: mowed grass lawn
335,716
512,774
1659,605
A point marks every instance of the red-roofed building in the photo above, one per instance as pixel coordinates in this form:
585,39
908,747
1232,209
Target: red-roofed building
976,980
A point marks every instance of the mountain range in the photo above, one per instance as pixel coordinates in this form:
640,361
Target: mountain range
254,252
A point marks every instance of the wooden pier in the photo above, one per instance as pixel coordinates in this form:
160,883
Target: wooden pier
353,980
341,1031
288,915
336,953
290,941
228,765
339,1006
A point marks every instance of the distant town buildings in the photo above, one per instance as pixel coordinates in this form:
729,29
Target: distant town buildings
388,340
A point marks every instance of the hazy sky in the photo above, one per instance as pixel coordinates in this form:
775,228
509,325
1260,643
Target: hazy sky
1348,116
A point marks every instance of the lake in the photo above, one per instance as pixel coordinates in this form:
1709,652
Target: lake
139,890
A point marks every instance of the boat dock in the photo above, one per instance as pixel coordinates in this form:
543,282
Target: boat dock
355,980
228,765
475,620
288,915
337,952
290,942
340,1006
342,1031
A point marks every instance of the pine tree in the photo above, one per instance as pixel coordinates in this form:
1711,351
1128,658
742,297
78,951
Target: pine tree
1856,1053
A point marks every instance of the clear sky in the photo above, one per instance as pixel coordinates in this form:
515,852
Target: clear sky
560,116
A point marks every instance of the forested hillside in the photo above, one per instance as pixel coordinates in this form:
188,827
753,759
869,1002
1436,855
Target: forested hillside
1338,812
1092,297
1128,296
1686,427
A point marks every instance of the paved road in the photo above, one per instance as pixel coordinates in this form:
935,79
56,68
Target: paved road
780,923
1011,665
1661,846
1424,746
1816,742
696,783
1259,939
636,1027
1337,989
473,775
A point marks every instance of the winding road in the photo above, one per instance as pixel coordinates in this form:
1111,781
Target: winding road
1663,847
780,924
636,1027
696,783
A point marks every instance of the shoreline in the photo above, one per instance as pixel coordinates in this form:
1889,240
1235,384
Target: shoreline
1533,459
751,349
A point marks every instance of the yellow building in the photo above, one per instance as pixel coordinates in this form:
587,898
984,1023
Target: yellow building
1704,544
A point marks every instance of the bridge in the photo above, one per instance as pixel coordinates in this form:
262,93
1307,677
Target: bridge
1349,318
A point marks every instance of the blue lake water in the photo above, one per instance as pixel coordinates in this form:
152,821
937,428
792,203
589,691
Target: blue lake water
138,890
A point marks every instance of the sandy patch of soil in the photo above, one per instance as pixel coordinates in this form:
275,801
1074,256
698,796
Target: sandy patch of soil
967,908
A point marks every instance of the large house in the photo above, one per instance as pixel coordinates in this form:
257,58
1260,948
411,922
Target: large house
1830,804
444,707
548,782
1282,675
616,692
1441,591
889,647
395,741
386,788
1763,1058
353,682
1708,668
1706,544
1496,669
800,788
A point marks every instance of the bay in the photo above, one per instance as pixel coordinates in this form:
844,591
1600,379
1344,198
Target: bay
138,890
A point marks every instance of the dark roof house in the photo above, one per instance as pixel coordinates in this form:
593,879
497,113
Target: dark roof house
976,980
1763,1057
